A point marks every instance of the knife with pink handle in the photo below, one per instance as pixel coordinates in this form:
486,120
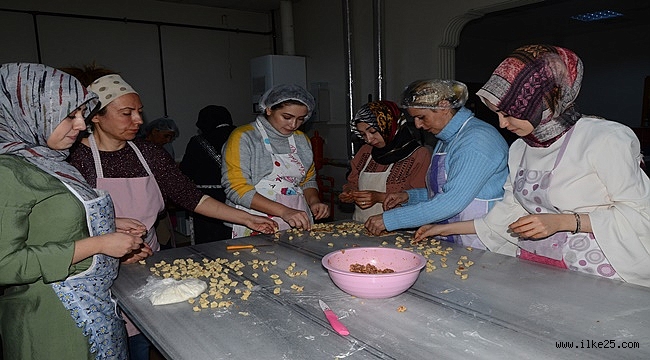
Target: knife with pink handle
333,319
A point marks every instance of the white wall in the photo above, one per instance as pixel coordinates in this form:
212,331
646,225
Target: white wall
198,64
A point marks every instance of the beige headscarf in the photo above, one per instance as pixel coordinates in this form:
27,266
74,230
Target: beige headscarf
109,88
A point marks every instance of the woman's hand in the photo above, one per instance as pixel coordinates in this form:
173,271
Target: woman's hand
296,218
118,244
320,210
262,224
427,231
140,254
375,224
543,225
367,198
346,197
130,226
395,199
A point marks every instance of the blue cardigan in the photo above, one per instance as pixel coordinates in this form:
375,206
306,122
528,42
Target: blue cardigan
477,167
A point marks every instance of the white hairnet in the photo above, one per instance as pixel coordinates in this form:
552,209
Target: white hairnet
428,94
281,93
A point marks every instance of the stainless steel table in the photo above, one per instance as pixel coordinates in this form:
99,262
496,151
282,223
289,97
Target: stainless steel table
506,308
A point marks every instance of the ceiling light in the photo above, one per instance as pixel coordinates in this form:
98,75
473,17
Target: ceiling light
597,15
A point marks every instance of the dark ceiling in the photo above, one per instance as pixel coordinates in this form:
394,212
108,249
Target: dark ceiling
552,17
544,17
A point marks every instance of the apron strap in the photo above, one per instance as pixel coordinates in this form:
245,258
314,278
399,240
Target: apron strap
560,154
98,162
267,142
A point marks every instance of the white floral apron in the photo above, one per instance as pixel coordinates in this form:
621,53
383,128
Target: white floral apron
563,249
371,181
282,185
136,198
437,178
87,295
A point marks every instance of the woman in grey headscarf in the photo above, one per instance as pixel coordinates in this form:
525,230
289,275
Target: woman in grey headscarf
59,251
269,165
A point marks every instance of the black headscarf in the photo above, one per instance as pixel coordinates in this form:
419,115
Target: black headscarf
211,117
387,118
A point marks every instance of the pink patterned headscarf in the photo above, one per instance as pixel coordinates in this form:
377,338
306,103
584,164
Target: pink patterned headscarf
538,83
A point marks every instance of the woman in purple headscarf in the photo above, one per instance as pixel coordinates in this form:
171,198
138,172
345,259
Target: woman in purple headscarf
576,197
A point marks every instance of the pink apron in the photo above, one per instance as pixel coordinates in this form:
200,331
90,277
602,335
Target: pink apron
564,249
371,181
136,198
282,185
436,179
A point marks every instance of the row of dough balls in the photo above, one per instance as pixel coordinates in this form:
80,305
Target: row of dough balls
221,286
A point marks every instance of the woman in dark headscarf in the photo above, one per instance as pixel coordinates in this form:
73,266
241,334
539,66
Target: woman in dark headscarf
390,161
577,197
59,251
202,163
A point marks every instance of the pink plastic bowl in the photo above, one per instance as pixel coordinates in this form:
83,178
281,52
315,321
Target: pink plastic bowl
407,266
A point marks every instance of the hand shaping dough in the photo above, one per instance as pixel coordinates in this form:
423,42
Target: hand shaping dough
178,291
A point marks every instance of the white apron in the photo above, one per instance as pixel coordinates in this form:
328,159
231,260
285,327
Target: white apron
371,181
564,249
436,179
282,185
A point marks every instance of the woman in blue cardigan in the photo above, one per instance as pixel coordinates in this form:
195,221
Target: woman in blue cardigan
467,170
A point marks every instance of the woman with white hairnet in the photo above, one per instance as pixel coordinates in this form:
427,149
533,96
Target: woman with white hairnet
467,170
269,169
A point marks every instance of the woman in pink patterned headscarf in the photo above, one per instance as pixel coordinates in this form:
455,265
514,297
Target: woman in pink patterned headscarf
576,196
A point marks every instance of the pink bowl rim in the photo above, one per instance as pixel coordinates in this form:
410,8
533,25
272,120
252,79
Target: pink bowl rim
423,262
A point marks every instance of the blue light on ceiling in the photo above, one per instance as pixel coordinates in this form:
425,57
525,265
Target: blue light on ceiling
597,15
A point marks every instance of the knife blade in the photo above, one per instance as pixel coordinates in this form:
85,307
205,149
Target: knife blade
333,319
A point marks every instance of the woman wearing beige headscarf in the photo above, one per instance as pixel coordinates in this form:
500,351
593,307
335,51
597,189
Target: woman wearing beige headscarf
139,174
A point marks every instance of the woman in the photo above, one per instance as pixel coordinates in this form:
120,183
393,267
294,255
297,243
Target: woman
59,251
576,197
139,174
467,170
269,165
391,160
162,132
202,163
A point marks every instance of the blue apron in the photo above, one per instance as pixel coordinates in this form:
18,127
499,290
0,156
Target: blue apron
87,295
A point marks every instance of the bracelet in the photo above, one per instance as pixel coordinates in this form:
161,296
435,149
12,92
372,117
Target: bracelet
577,216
